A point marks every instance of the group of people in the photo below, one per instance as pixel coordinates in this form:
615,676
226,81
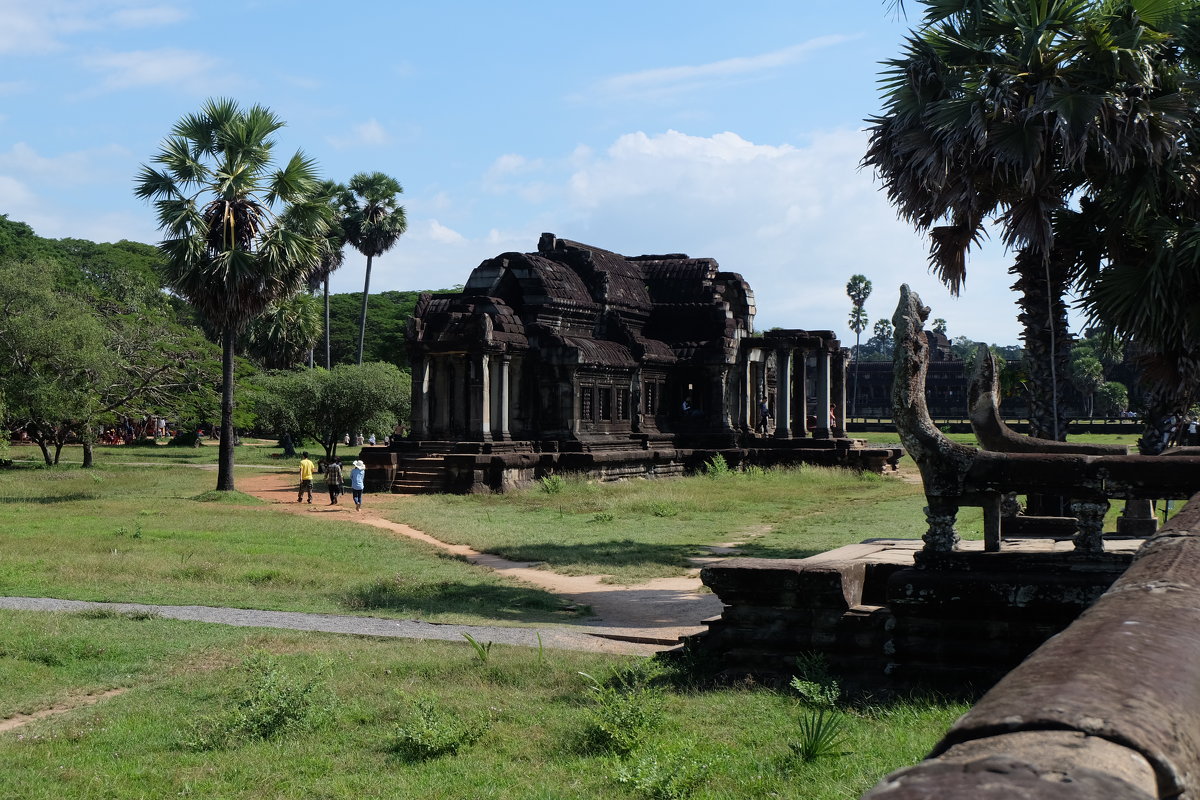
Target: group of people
334,481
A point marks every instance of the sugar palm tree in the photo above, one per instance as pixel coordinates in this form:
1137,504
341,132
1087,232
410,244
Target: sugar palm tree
858,288
286,332
239,232
373,221
333,254
1006,109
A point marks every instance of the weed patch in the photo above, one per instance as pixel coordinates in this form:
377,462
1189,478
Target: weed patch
431,731
270,703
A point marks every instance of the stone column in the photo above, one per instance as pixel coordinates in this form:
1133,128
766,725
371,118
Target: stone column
748,394
442,369
1138,518
783,393
479,403
838,382
420,398
504,365
801,429
824,424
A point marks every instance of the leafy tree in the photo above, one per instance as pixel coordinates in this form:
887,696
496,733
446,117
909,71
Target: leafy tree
879,346
1113,398
373,220
858,289
939,326
325,404
1008,109
240,233
385,338
66,367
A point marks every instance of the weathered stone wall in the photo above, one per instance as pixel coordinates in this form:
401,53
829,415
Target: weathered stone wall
888,621
1110,708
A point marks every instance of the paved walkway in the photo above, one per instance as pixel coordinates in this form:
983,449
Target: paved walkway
556,638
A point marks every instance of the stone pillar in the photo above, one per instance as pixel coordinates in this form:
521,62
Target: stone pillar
801,428
420,398
442,370
480,398
783,393
824,424
504,365
1138,518
748,394
837,379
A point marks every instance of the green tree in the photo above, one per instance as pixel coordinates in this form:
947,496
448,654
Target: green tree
67,367
240,233
286,333
858,289
1007,109
1113,398
373,221
324,405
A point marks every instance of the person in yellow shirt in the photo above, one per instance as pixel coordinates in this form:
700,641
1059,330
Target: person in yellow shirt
306,477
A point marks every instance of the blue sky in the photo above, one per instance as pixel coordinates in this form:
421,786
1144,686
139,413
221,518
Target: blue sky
725,130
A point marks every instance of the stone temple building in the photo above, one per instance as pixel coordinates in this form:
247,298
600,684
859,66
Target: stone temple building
577,359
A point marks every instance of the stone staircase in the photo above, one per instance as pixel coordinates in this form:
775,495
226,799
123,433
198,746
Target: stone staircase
419,474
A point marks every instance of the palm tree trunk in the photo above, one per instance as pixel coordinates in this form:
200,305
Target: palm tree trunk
328,364
362,315
1045,335
1041,285
225,453
857,356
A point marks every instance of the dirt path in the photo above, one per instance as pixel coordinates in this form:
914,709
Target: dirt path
660,610
69,704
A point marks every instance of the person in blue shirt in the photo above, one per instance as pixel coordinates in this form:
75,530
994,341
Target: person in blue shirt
357,473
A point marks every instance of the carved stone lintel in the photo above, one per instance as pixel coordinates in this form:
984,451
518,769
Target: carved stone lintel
941,535
1090,535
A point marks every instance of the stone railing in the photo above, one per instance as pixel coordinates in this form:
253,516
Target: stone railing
955,475
1109,708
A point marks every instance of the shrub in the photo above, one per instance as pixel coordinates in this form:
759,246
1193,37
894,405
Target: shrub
717,466
665,775
432,732
620,716
553,484
270,703
813,681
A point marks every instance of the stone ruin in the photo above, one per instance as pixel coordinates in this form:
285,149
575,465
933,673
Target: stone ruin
575,359
893,613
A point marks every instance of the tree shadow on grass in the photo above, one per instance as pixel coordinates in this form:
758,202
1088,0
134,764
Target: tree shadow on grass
600,556
73,497
760,550
418,599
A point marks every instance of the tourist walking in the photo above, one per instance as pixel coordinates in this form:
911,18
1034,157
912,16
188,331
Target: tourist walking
357,474
333,479
306,477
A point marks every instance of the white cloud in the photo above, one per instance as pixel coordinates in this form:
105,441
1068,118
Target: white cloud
39,28
366,134
186,69
796,221
671,80
74,168
440,233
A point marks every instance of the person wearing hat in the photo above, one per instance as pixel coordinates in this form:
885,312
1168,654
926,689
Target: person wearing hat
357,473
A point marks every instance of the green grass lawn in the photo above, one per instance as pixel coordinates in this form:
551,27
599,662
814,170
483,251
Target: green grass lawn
637,530
210,711
138,534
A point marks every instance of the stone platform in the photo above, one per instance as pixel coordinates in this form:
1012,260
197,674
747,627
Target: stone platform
891,617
